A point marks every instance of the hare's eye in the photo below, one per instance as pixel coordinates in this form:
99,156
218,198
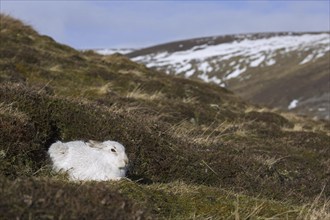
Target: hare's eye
113,150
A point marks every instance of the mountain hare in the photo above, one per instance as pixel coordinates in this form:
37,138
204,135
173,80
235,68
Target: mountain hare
90,160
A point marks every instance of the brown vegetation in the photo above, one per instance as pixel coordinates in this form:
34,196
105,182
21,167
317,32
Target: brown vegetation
196,150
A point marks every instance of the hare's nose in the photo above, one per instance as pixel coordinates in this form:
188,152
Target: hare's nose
126,161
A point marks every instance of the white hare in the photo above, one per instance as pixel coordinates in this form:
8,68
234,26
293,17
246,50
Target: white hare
90,160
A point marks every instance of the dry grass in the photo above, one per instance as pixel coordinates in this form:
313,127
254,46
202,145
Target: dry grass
305,124
268,161
187,141
190,100
10,110
208,135
139,93
258,109
8,23
316,210
102,90
300,123
204,202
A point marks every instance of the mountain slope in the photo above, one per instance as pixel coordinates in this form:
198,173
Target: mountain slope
195,149
273,69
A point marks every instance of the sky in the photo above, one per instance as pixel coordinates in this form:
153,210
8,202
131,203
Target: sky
137,24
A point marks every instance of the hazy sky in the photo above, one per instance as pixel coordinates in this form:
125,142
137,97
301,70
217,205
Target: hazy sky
125,24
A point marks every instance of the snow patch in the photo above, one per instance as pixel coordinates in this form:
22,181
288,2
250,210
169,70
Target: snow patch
235,73
184,68
248,48
270,62
307,59
293,104
205,67
232,63
261,52
257,62
113,51
206,78
189,73
222,85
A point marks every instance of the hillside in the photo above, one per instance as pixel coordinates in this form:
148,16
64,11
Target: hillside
273,69
196,150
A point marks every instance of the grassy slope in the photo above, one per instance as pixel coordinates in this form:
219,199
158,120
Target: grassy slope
278,82
196,150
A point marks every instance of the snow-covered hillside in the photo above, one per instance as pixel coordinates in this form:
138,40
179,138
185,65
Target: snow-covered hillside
231,59
283,70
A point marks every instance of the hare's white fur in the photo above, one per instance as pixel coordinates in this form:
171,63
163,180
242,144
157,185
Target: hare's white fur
90,160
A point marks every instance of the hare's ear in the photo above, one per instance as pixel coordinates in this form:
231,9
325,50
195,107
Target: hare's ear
94,144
